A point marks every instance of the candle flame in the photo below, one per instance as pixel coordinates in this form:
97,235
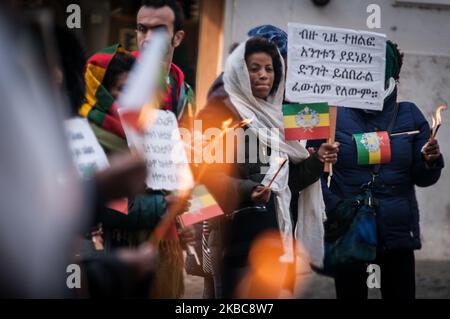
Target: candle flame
246,122
268,276
226,123
146,115
438,114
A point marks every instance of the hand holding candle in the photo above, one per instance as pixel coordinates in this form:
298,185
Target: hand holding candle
431,151
261,194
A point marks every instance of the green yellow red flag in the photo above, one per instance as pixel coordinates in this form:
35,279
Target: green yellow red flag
306,121
203,207
373,148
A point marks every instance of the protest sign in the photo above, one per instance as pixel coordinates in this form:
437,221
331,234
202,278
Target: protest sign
88,156
340,66
164,150
87,153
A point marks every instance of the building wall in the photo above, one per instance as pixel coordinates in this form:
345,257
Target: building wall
422,32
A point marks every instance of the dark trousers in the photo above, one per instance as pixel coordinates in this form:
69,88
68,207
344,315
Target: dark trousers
397,277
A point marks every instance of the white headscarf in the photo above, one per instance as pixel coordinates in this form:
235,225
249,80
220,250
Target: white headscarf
267,115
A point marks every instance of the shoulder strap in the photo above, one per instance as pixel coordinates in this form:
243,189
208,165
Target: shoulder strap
376,168
393,118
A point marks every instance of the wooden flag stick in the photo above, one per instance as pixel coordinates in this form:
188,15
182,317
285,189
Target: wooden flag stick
406,133
328,168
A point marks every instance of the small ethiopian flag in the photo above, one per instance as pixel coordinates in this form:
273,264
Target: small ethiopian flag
373,148
306,121
203,207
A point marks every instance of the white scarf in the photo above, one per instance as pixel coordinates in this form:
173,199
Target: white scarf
267,115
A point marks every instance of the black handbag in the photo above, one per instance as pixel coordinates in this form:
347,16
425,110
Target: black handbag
243,226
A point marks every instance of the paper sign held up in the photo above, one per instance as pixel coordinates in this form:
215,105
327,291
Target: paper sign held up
164,151
88,156
87,153
340,66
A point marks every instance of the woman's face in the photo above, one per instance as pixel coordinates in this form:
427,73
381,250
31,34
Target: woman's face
260,69
116,89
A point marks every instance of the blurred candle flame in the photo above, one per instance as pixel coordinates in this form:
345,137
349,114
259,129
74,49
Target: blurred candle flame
268,277
437,120
245,122
146,116
226,124
438,114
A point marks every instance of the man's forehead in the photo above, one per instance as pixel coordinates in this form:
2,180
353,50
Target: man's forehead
150,16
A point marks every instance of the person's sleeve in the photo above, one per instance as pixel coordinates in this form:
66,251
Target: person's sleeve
331,200
109,277
305,173
227,190
222,179
144,212
94,204
424,174
315,143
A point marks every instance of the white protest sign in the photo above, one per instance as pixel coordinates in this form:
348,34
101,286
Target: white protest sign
165,154
340,66
88,155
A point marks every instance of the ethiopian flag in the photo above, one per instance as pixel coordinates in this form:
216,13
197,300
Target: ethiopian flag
306,121
373,148
203,207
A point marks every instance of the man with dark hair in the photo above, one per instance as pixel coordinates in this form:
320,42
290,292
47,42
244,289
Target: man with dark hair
155,14
168,15
178,98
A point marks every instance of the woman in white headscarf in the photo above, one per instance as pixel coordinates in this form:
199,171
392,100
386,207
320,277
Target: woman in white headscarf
254,81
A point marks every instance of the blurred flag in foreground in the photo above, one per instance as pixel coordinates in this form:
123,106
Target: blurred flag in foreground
203,207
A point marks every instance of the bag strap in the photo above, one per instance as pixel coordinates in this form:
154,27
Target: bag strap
376,168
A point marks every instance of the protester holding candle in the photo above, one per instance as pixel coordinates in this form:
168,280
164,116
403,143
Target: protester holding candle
254,81
216,112
411,159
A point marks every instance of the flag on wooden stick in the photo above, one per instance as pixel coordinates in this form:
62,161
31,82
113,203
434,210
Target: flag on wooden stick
306,121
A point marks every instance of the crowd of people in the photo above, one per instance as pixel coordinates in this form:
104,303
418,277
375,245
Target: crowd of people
64,219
